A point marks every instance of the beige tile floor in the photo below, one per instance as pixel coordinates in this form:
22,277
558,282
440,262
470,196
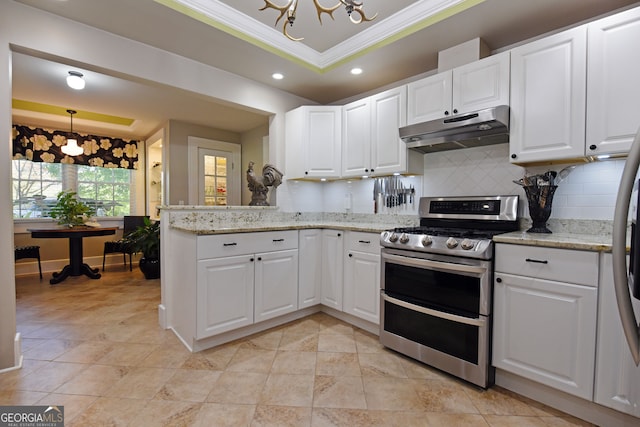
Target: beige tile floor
95,347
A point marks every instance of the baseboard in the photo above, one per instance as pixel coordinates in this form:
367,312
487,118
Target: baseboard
353,320
17,354
24,268
580,408
162,316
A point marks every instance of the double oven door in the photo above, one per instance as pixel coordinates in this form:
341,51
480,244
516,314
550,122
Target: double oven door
437,309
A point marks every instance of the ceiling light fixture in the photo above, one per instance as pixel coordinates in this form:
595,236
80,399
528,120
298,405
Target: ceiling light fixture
277,76
72,148
351,6
75,80
356,71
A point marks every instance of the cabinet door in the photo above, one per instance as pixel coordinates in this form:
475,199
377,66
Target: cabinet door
545,331
309,268
481,84
388,151
613,110
429,98
617,382
313,141
332,267
356,138
323,127
276,284
548,92
224,295
362,285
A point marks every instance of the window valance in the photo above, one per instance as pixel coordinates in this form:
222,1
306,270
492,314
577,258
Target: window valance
44,145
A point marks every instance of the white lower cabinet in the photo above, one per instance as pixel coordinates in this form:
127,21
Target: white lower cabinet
309,267
617,382
544,327
362,276
224,295
246,287
332,267
276,284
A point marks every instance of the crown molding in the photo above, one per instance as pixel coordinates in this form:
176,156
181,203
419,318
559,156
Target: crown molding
399,25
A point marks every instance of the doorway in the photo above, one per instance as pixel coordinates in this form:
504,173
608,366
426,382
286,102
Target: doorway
216,180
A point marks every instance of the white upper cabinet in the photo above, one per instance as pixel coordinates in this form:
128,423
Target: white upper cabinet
613,92
313,138
548,98
371,143
356,133
480,84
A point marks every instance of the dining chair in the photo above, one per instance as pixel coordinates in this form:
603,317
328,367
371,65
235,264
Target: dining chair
33,251
131,222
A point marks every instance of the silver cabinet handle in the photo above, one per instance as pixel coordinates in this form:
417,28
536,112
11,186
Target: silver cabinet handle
435,313
619,250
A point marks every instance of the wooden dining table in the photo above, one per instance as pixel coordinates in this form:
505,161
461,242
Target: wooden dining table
76,266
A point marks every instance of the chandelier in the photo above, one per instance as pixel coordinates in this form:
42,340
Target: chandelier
351,6
72,148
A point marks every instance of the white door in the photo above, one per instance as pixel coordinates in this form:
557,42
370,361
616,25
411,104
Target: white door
548,98
310,272
224,294
389,113
276,284
545,331
613,110
362,286
481,84
429,98
356,138
617,383
332,265
213,177
214,174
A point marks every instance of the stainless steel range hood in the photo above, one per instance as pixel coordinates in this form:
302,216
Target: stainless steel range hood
479,128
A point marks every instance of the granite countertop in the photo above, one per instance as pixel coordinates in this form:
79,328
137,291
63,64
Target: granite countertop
589,235
587,242
225,221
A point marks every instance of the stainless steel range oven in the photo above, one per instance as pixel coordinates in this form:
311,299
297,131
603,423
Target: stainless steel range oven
436,284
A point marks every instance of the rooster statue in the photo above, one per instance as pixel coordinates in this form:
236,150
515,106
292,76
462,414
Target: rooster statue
259,185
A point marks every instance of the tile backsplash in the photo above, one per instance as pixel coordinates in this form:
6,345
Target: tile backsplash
589,192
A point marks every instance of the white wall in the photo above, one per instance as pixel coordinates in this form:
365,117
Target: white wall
66,41
589,192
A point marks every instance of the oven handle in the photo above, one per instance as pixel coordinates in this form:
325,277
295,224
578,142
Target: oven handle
421,263
435,313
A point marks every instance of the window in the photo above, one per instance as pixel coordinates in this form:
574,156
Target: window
36,185
215,180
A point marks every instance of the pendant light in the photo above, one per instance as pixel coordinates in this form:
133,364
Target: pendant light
75,80
72,148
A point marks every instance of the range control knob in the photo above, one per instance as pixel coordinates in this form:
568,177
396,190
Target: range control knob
393,238
467,244
404,238
426,241
452,243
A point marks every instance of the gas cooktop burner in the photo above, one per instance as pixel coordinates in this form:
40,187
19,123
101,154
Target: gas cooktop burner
450,232
456,226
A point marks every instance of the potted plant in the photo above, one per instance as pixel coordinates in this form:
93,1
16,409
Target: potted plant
146,239
69,211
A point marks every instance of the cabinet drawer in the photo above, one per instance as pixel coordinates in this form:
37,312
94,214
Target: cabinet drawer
562,265
363,242
223,245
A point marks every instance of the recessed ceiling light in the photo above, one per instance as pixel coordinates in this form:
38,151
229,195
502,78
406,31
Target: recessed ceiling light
277,76
356,71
